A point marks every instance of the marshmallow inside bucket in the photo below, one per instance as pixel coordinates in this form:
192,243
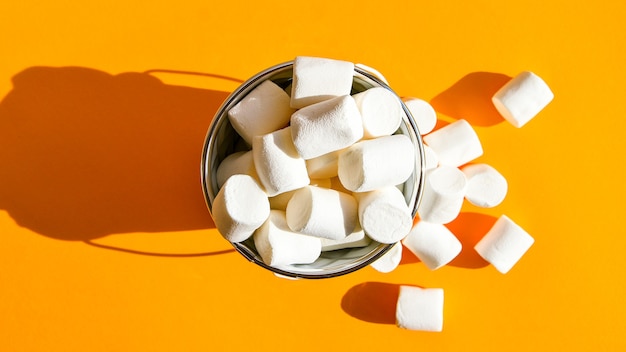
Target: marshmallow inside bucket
222,140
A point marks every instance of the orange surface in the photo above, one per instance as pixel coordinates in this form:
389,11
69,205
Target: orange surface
105,243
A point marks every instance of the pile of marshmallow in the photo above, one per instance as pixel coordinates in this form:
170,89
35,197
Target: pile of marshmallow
323,170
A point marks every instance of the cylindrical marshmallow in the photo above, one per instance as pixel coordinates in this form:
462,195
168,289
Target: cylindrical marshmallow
317,79
433,244
376,163
431,160
326,126
423,113
522,98
380,110
455,144
235,163
374,72
384,214
323,166
279,246
277,162
389,261
420,308
321,212
354,240
265,109
486,187
444,191
504,244
239,208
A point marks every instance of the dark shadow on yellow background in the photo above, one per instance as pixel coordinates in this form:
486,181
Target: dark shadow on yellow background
85,154
373,302
470,98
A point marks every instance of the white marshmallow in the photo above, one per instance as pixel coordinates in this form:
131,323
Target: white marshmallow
279,246
374,72
423,113
522,98
433,244
420,308
380,110
265,109
322,212
486,187
318,79
444,191
236,163
354,240
277,162
384,214
455,144
375,163
431,160
323,166
504,244
326,126
389,261
239,208
280,201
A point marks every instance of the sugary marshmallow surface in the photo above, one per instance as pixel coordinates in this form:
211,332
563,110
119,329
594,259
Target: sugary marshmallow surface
420,308
263,110
431,160
321,212
384,214
277,162
444,192
380,110
235,163
325,127
504,244
323,166
317,79
423,113
455,144
376,163
389,261
522,98
486,187
354,240
239,208
433,244
279,246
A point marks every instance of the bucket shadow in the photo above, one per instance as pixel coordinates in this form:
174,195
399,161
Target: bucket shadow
470,98
86,154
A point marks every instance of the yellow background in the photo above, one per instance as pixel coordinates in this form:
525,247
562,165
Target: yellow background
105,243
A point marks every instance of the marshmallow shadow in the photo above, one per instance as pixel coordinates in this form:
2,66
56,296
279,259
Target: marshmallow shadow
469,228
373,302
86,154
470,98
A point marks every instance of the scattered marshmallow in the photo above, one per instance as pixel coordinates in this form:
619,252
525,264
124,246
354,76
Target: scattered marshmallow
279,246
389,261
318,79
325,127
356,239
322,212
239,208
423,113
376,163
277,162
433,244
380,110
374,72
486,187
444,191
263,110
504,244
455,144
235,163
420,308
323,166
431,160
384,214
522,98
